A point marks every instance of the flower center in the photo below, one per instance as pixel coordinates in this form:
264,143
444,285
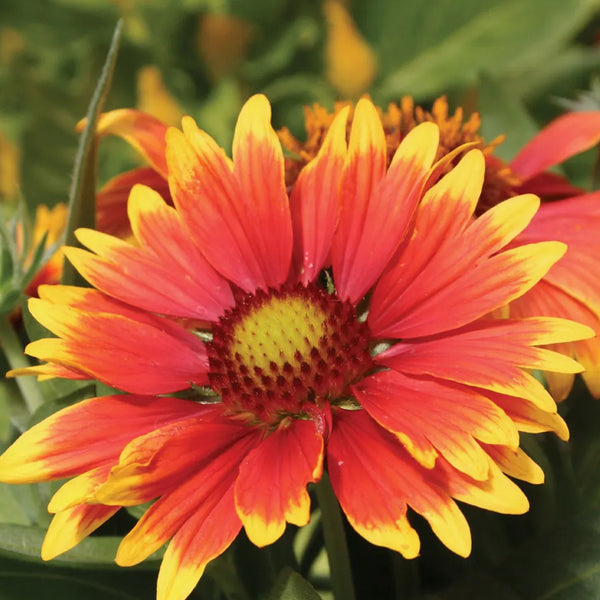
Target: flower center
278,352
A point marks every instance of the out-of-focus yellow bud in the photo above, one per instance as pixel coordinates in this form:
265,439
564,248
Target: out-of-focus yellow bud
222,43
154,98
351,64
10,168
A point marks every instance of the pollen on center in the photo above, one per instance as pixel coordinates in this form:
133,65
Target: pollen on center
278,350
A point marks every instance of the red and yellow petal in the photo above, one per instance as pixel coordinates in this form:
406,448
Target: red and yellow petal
166,275
385,216
86,435
492,355
80,489
198,492
314,203
432,417
563,138
164,458
515,463
547,299
72,525
205,535
363,171
259,168
135,356
112,198
284,463
375,480
143,131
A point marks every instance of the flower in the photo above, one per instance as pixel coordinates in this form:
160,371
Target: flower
343,327
567,213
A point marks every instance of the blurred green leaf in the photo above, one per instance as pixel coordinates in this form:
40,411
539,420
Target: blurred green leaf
292,586
509,37
82,205
11,510
561,565
502,113
25,543
24,581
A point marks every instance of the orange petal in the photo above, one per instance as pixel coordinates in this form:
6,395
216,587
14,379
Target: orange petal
143,131
431,417
514,462
363,171
111,200
563,138
258,166
206,534
284,463
70,526
130,354
491,355
65,444
314,202
375,480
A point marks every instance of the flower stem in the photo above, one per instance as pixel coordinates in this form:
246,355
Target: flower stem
335,541
13,350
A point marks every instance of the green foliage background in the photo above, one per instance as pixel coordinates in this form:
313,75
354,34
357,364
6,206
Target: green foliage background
512,60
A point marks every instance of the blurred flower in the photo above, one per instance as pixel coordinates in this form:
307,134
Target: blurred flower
154,98
350,63
222,43
30,255
331,331
571,288
10,168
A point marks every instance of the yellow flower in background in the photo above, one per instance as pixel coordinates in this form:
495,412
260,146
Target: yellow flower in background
222,43
351,64
10,168
154,98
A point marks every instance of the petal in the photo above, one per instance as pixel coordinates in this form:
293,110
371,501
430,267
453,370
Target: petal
364,169
497,493
153,464
386,215
546,299
514,462
65,443
576,222
111,200
258,166
442,217
473,294
194,497
143,131
314,202
530,418
132,355
491,355
563,138
230,227
166,274
70,526
431,417
375,479
80,489
206,535
271,487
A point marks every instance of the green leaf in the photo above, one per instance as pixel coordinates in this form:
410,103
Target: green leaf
82,205
25,543
564,564
503,113
11,510
292,586
508,38
23,580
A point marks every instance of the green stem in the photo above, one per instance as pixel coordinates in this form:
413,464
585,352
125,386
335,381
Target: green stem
13,350
335,541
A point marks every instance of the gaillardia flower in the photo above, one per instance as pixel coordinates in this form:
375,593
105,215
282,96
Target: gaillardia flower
343,327
568,214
